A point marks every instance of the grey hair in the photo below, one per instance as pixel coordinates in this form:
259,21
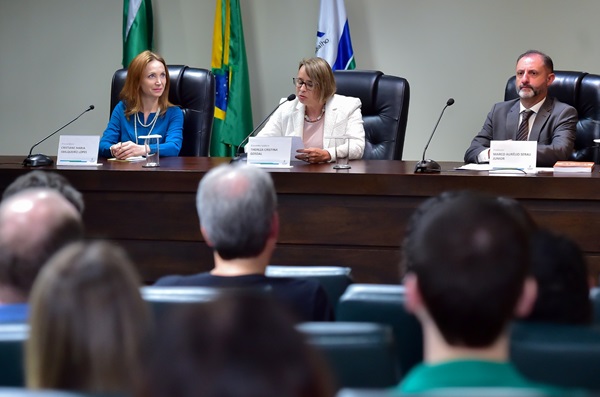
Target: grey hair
236,205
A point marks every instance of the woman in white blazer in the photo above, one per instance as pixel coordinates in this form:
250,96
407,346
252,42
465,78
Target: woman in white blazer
318,114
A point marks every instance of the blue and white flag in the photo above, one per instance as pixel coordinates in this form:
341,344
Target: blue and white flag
333,36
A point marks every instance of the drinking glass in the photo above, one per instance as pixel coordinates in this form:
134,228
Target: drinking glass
342,156
152,159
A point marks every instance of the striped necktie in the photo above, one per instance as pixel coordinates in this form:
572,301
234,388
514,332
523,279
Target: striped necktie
524,126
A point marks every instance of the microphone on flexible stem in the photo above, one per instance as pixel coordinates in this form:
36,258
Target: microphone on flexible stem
40,160
430,166
242,156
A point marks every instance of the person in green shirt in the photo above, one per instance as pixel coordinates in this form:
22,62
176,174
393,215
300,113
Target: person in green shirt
467,275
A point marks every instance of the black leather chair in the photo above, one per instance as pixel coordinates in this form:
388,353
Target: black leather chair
24,392
193,90
456,392
562,355
385,101
334,279
163,299
582,91
595,298
359,354
384,304
12,341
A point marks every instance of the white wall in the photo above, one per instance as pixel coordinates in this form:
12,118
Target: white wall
58,56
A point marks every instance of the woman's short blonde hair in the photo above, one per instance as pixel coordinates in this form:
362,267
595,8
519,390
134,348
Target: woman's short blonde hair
319,71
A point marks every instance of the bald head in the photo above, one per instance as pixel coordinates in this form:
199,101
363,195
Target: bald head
34,224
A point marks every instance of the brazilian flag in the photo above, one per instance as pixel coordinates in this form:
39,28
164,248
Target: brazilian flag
233,110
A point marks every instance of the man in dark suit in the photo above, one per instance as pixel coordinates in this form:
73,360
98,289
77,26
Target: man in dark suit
552,123
237,207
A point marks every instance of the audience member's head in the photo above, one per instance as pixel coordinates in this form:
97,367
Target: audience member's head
88,322
241,345
46,179
519,212
560,270
467,262
34,224
237,206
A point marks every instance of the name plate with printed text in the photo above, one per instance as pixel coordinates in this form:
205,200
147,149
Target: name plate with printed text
513,154
79,150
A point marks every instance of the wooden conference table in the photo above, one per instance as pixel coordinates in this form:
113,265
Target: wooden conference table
352,218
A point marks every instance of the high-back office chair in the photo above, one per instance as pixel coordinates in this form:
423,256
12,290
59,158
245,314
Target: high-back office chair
563,355
163,299
359,354
12,343
334,279
595,298
193,90
385,100
384,304
582,91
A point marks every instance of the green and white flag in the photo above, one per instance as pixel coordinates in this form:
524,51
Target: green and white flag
137,28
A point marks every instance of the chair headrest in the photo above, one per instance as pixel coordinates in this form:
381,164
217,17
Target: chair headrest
361,84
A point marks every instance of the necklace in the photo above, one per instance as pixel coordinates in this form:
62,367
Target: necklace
137,116
308,120
152,124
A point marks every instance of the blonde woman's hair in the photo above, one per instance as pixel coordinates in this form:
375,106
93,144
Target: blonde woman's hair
319,71
88,322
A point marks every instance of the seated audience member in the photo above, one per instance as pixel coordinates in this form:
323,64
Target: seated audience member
88,322
46,179
317,114
237,207
519,213
561,272
240,345
34,224
144,109
466,265
535,116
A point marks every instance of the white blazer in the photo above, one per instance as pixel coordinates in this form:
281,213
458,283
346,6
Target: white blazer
342,117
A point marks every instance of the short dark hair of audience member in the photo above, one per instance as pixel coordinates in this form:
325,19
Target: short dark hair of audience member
34,224
471,260
561,272
242,344
519,213
47,179
131,92
237,218
88,322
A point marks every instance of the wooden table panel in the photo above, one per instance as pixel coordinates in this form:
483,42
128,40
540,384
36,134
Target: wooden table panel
352,218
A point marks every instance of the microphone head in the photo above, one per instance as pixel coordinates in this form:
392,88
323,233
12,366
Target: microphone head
450,102
91,107
291,97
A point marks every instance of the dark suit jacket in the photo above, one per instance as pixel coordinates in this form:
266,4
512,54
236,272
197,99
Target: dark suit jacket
553,129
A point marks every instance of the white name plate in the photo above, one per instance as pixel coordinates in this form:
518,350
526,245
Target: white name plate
270,151
513,154
79,150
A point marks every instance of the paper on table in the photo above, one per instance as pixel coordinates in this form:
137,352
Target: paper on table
129,160
474,167
492,170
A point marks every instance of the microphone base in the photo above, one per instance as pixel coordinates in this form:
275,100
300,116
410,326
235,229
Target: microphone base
37,160
239,158
427,167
